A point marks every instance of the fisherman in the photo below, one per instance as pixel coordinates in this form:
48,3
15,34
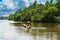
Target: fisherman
27,25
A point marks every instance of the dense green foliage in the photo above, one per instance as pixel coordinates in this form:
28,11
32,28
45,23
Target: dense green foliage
48,12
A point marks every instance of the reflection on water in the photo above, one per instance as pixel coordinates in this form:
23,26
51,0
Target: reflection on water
10,30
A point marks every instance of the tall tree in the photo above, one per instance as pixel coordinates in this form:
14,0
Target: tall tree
51,1
47,4
35,3
58,5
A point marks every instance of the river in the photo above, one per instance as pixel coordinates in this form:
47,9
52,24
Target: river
10,30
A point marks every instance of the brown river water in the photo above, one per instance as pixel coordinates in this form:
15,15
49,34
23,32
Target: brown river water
10,30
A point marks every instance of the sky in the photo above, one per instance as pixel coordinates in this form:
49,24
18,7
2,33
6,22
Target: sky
0,0
10,6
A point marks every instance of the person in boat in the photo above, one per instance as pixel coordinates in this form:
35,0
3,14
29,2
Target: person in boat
27,25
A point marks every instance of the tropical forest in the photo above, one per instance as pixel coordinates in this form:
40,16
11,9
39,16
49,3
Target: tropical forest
44,13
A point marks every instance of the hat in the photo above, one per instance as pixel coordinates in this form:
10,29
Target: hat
28,22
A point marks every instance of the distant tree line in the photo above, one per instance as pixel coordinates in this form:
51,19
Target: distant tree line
48,12
2,17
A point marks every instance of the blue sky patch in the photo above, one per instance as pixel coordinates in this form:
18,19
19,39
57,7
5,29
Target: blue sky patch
0,0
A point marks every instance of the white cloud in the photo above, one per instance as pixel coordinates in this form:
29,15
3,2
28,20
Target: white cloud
41,1
13,5
9,4
27,3
1,6
0,2
31,1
